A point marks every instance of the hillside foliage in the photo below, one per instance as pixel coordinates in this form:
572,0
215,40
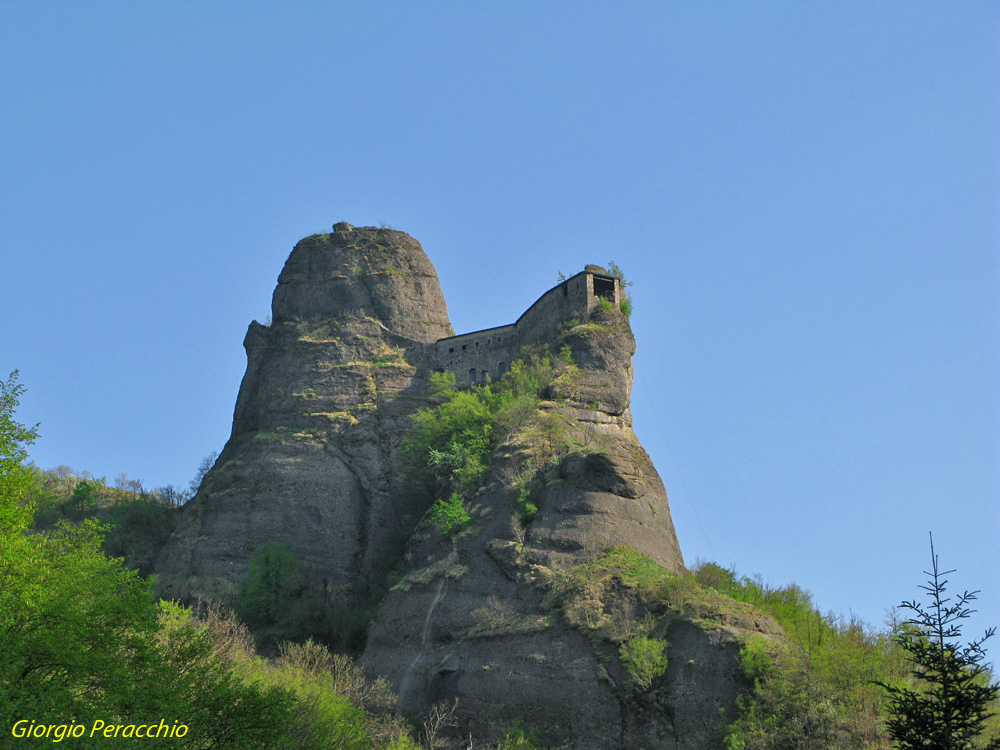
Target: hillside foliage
81,636
82,641
814,681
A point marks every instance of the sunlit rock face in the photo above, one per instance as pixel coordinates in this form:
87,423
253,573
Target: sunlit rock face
359,327
312,458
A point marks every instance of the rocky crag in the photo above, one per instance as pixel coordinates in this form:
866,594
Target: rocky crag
501,616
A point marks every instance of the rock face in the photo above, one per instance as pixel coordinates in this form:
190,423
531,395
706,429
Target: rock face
326,397
473,619
359,326
363,273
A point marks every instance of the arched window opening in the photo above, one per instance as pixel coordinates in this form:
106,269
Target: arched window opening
472,375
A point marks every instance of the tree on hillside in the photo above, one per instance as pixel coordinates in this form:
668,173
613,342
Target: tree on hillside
15,477
954,696
203,468
84,496
81,637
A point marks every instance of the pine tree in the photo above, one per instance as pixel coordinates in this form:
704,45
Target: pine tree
955,697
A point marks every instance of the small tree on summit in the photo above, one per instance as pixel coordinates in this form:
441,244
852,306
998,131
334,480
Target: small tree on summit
955,697
626,301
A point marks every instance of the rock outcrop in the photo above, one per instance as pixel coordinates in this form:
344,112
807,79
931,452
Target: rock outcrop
312,458
359,326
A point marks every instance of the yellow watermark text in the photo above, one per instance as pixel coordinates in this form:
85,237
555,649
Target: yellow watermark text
59,732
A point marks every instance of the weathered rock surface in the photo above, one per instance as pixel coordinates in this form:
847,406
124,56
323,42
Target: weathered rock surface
313,462
472,620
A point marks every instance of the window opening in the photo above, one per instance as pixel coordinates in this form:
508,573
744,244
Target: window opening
604,288
472,375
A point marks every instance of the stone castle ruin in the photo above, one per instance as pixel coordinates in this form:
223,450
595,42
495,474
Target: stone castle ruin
473,357
315,462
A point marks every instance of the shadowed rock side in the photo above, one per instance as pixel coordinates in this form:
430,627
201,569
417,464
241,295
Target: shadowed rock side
311,461
474,618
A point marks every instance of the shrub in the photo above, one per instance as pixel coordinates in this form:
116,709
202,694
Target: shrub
528,484
517,738
626,301
448,448
450,515
756,659
645,659
275,578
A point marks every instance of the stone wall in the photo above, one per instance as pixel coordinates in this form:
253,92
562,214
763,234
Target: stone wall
472,356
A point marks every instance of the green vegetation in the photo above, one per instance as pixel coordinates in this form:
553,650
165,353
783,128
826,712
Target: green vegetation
275,599
954,697
450,516
518,738
757,659
283,599
813,682
81,639
626,301
645,659
15,477
605,305
528,483
135,523
447,452
390,356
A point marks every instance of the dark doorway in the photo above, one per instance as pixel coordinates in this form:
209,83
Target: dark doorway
604,287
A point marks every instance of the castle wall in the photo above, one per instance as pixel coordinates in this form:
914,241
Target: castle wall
471,356
487,351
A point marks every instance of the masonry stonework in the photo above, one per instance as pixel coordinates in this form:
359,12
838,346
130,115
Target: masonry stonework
474,356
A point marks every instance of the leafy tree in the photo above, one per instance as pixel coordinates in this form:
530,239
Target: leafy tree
626,301
84,496
275,580
282,598
203,468
15,477
955,696
139,529
81,638
645,659
450,516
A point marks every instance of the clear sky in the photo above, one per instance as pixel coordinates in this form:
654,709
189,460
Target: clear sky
806,196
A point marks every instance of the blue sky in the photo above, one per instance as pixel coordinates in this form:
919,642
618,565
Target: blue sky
805,195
